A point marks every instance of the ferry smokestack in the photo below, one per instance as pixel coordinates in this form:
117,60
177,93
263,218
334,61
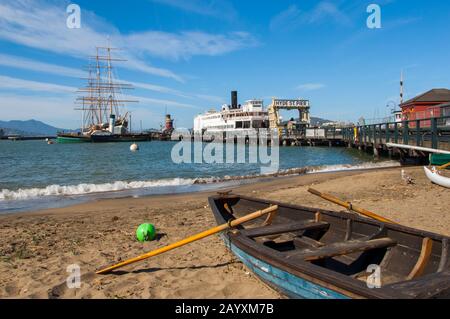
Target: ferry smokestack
169,123
234,99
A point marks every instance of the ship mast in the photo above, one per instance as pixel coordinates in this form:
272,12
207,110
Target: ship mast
100,97
99,100
111,112
401,87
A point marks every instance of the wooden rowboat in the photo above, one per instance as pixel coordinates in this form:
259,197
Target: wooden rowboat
435,176
311,253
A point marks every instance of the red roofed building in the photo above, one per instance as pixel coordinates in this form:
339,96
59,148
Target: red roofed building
425,106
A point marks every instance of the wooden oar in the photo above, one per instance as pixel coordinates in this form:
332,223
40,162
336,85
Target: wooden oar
191,239
350,206
443,167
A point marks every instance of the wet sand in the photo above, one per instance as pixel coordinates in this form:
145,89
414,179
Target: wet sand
37,247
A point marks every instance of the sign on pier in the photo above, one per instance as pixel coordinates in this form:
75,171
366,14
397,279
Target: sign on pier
290,103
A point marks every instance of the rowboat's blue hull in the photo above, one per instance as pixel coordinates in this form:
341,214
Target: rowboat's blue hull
282,281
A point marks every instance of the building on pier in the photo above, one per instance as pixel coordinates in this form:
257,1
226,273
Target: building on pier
427,105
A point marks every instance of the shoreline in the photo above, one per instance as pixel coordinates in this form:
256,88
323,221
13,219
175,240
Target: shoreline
36,247
194,194
198,185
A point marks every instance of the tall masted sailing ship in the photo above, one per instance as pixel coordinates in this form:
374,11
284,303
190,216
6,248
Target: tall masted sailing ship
104,118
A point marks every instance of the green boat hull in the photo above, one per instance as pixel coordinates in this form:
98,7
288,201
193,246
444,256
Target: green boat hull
71,139
439,159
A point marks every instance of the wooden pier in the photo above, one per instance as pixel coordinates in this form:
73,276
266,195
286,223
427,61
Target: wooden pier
422,137
408,140
26,138
330,136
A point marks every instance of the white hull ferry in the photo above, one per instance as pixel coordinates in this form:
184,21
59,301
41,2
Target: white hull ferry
233,118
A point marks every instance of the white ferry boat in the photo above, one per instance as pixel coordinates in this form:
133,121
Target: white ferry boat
233,117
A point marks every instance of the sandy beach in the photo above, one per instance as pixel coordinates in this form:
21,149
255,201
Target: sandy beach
37,247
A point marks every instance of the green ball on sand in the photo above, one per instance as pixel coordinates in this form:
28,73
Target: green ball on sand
145,232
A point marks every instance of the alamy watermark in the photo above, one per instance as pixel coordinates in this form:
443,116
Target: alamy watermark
374,279
73,281
263,148
374,19
74,18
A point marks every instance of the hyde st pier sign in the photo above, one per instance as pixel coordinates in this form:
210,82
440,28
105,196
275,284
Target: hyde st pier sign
290,103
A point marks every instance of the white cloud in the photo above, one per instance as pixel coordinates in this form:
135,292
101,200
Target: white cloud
10,83
59,108
310,86
167,90
292,18
42,25
326,10
366,34
286,19
28,64
147,101
211,98
156,88
187,44
42,67
170,91
216,8
60,111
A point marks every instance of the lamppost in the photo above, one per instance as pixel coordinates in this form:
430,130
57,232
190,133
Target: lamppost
392,106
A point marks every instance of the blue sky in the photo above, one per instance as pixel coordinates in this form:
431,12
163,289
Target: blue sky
188,55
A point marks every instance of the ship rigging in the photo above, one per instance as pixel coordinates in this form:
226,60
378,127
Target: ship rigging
102,104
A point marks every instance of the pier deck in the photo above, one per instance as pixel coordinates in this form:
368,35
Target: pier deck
431,133
423,136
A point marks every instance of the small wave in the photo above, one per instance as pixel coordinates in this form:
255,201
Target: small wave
302,170
84,189
341,167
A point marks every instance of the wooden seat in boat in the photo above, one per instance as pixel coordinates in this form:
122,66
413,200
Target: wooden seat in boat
284,228
302,242
341,248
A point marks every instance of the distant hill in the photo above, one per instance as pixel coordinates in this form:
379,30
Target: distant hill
28,128
317,121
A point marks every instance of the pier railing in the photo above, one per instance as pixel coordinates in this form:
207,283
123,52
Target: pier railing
334,133
429,132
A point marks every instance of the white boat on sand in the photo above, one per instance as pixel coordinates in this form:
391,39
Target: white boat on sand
436,177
